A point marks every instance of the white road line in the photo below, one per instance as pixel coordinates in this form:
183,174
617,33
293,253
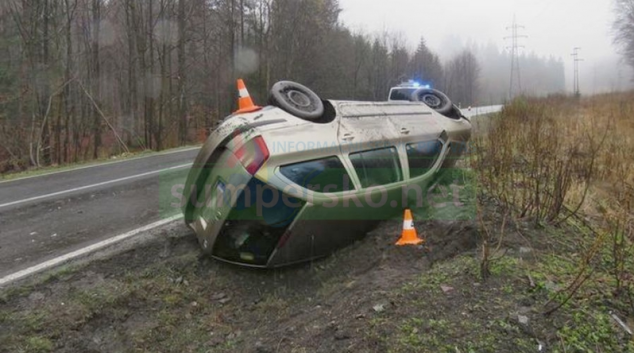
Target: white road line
92,185
103,164
83,251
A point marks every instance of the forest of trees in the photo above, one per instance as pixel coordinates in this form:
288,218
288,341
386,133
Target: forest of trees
83,79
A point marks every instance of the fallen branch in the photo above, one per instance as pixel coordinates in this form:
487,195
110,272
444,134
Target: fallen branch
104,118
9,151
530,281
580,279
45,121
572,288
621,323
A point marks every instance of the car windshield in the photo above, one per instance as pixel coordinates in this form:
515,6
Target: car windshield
401,94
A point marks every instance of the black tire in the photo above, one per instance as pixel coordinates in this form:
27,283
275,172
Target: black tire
456,114
296,99
434,99
459,115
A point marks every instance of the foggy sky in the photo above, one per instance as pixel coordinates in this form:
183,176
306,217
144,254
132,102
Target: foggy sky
553,27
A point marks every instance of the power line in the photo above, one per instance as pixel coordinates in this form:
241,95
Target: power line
576,60
515,86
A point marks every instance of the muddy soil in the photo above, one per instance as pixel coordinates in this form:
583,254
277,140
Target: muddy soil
308,305
163,296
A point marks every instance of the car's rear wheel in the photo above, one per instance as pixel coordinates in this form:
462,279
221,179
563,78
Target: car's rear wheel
296,99
434,99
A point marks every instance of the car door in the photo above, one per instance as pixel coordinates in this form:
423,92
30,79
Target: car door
370,143
416,122
364,126
421,134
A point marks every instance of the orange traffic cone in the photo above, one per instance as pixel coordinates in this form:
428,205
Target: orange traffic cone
245,103
409,236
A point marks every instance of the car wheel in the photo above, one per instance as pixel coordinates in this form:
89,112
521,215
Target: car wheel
296,99
434,99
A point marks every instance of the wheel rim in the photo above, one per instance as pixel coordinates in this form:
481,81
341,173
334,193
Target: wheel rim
298,98
432,101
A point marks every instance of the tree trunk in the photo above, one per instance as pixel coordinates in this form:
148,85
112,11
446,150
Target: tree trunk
182,75
46,134
96,19
149,78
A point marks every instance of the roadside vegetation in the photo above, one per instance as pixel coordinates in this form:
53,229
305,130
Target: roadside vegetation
545,266
562,163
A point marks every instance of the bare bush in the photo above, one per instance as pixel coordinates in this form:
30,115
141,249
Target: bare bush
553,159
534,159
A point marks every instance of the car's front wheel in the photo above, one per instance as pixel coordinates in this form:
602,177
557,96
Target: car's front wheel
434,99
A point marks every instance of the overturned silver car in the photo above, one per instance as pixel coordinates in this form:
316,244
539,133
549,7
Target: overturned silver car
302,177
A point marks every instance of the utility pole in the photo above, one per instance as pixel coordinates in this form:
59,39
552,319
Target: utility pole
515,86
576,60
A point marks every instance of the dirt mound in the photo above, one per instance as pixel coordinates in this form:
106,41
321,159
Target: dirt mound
356,282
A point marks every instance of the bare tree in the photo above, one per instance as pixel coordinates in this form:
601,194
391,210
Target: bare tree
462,74
182,73
95,74
624,29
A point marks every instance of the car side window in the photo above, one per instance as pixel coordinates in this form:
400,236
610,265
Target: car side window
377,167
422,156
325,175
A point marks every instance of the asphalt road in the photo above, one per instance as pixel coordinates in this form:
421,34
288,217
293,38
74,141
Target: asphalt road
44,217
47,216
475,111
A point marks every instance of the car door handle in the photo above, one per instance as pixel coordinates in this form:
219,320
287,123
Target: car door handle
348,137
405,131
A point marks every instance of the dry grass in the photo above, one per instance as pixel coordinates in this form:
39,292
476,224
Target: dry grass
539,156
562,159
